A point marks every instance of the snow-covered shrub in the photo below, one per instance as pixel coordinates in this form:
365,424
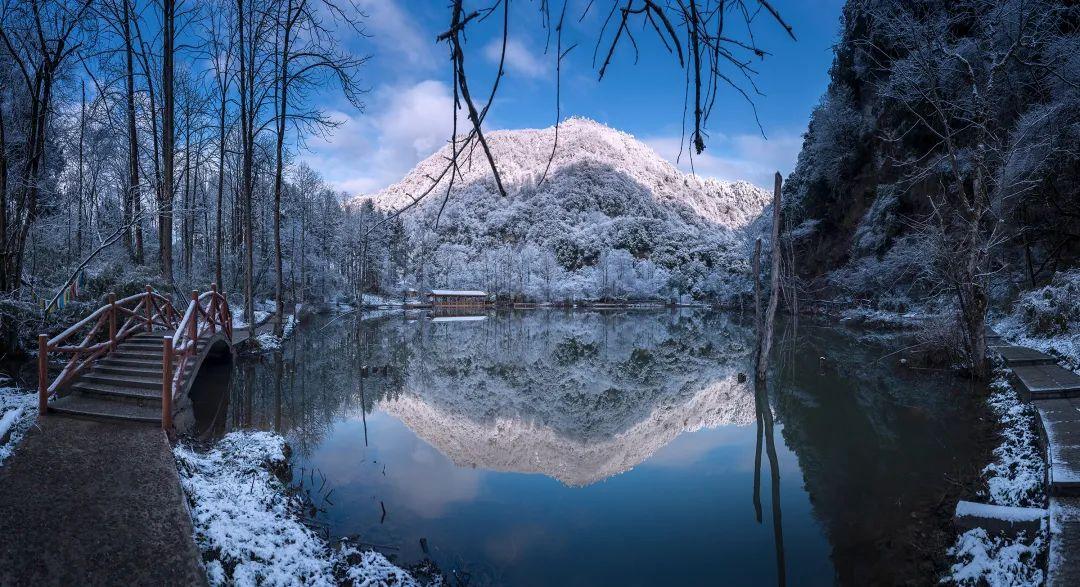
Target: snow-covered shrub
872,234
1048,318
995,560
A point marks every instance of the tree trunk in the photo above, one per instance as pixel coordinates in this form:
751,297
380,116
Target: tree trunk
766,328
283,85
218,236
132,200
165,213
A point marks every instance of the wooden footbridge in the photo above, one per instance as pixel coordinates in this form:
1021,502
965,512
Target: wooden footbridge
123,517
132,358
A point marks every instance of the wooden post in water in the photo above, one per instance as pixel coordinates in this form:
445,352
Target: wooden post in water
43,374
112,322
166,383
756,264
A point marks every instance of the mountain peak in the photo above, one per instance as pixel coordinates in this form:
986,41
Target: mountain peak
522,155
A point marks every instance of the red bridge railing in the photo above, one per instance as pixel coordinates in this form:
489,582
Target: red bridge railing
99,333
206,316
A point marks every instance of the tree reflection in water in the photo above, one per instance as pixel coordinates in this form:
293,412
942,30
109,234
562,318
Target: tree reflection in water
461,413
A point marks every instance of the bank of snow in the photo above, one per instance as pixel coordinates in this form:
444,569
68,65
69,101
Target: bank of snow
248,526
1048,319
17,410
1014,478
268,341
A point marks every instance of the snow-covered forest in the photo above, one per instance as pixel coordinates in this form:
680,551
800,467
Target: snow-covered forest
940,171
606,218
154,144
160,143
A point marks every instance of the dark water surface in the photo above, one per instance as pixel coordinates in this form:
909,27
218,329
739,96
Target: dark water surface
588,448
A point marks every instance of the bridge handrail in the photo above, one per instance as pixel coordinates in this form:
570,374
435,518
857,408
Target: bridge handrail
144,309
183,345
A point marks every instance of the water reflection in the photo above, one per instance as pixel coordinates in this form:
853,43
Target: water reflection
580,448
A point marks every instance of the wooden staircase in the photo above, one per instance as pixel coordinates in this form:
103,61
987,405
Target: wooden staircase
124,385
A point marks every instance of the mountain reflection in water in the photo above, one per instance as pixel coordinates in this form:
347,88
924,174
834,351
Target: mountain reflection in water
560,447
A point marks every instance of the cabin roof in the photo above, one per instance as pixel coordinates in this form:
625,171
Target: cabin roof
458,292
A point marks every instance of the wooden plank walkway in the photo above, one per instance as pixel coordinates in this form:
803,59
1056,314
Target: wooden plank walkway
1055,393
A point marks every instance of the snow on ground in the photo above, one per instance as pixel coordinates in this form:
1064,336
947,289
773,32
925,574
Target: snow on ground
17,411
248,526
1048,319
238,318
1014,478
373,300
268,341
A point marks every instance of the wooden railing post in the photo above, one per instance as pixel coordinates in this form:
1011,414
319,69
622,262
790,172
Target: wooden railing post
166,384
212,313
149,309
112,322
193,326
43,374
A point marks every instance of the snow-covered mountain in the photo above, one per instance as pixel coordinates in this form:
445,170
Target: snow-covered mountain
576,397
609,205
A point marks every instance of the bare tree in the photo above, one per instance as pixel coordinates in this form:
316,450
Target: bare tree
950,85
309,54
39,36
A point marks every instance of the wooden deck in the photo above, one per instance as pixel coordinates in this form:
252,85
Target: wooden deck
1055,393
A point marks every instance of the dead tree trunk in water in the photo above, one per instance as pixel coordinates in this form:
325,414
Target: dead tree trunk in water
765,332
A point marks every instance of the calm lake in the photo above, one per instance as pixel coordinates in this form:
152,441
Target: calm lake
550,447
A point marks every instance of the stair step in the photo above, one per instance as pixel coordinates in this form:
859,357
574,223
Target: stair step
140,363
1046,381
1018,356
89,406
155,335
116,392
149,370
123,380
141,354
148,345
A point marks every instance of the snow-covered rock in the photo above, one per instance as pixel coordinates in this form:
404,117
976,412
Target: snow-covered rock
17,411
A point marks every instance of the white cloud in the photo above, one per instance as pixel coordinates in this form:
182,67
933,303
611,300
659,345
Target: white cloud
748,157
405,124
519,59
395,34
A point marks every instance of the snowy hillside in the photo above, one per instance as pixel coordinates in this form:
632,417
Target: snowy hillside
612,219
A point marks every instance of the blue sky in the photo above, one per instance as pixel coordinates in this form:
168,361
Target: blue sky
408,109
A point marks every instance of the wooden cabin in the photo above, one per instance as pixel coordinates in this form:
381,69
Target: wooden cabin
457,298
